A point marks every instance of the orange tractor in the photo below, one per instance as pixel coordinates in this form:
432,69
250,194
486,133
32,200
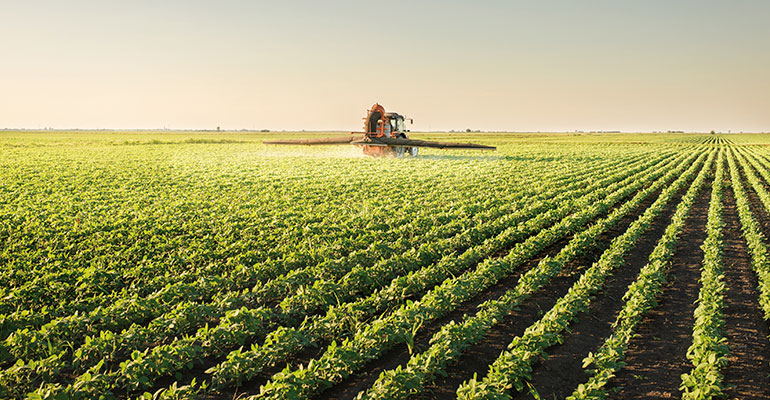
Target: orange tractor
384,135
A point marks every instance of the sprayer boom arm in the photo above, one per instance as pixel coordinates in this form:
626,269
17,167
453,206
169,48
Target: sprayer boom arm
310,142
398,142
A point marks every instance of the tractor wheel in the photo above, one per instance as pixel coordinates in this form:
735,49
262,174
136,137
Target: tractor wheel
410,151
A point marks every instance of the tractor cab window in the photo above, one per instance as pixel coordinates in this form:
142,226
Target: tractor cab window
399,124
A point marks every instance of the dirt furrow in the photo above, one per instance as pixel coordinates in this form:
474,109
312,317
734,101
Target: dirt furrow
363,379
557,376
755,204
745,376
400,354
478,358
656,357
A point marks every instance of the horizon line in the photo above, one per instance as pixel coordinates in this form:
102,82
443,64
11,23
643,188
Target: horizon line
729,132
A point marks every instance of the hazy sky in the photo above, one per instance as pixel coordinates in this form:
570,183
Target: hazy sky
490,65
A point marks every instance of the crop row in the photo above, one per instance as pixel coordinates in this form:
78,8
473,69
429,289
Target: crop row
172,294
94,349
343,319
77,285
640,297
204,334
68,331
228,245
117,316
338,361
514,365
502,240
20,299
760,259
182,318
449,343
708,352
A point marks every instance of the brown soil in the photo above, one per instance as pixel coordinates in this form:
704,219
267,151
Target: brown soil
656,357
303,358
364,378
745,376
557,376
198,372
477,359
756,206
399,355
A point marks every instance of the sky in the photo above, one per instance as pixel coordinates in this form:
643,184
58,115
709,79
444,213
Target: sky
319,65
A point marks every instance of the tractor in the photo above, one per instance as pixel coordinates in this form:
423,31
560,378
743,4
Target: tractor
384,135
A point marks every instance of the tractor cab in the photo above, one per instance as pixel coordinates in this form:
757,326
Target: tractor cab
396,122
381,124
384,135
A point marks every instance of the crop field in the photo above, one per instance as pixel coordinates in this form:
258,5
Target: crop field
204,265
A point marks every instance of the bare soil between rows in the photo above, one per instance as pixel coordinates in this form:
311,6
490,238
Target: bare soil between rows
252,386
347,389
656,356
198,371
747,371
399,355
477,359
558,376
